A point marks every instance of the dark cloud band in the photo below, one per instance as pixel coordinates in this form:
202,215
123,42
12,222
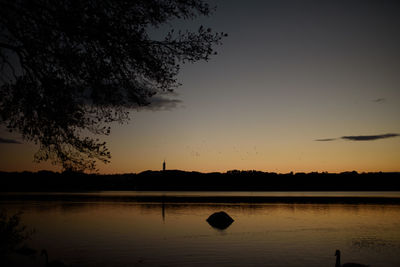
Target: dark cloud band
369,137
361,137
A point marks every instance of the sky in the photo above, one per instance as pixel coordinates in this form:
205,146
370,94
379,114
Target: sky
296,86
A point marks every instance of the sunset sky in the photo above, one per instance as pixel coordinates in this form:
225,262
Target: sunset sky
296,86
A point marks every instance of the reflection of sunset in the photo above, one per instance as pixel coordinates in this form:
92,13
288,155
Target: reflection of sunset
128,232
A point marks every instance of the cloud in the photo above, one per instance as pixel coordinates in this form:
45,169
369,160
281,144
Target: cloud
161,103
325,139
8,141
361,137
369,137
379,100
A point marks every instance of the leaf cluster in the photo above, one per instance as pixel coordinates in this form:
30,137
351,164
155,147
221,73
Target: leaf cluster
12,233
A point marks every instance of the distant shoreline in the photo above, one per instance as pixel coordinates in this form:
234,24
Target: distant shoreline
175,180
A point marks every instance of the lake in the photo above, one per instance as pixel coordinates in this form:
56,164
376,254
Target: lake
170,228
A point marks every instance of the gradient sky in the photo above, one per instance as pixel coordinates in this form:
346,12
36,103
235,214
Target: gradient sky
290,80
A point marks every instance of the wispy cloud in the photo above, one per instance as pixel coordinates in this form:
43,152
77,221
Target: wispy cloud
361,137
379,100
369,137
325,139
8,141
162,103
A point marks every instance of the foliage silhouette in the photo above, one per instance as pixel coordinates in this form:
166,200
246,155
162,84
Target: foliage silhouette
12,232
175,180
70,68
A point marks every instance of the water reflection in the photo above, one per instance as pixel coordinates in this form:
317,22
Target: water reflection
88,232
163,212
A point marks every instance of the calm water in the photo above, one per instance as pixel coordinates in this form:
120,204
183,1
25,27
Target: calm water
104,231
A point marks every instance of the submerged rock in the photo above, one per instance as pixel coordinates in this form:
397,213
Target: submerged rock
220,220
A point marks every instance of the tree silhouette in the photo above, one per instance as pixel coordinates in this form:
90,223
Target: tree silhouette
12,232
69,68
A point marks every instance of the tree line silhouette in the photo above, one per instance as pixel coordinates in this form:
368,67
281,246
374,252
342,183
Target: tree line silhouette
176,180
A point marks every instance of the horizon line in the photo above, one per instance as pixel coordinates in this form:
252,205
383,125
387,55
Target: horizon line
211,172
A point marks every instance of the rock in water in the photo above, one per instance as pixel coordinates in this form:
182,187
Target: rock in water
220,220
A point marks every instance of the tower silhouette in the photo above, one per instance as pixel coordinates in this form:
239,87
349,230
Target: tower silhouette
163,166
